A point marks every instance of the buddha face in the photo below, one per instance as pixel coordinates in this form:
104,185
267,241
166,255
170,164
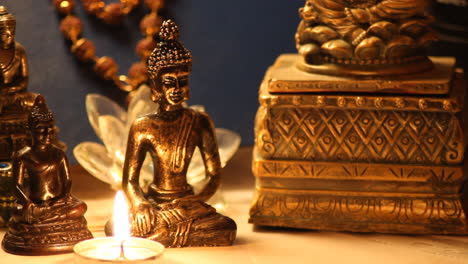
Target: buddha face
7,36
172,85
43,133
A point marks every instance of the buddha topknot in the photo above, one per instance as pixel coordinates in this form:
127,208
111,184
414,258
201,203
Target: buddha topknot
40,112
6,18
169,51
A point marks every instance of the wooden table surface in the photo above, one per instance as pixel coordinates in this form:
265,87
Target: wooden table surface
256,245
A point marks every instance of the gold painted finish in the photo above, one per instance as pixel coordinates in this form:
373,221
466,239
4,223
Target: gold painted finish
352,176
329,158
169,211
367,37
381,212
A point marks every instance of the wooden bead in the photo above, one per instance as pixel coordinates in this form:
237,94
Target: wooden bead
113,13
106,68
64,6
71,27
150,24
130,3
93,6
138,73
125,87
145,47
84,50
154,4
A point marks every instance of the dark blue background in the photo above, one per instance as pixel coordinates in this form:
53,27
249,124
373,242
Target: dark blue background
232,43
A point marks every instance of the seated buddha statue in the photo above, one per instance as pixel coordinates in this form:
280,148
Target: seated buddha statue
169,211
48,219
13,65
381,37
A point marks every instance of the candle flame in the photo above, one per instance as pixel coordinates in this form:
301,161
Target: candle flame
121,218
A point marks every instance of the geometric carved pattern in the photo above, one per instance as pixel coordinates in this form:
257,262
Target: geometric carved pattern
315,134
388,213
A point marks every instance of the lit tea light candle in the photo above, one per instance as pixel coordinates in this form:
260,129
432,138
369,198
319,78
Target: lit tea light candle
121,248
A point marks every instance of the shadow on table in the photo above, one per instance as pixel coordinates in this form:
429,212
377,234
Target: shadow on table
270,229
238,173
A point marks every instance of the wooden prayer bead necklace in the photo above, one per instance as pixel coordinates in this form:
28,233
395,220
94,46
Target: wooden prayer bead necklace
112,13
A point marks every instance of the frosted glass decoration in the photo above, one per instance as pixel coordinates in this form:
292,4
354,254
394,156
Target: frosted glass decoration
112,123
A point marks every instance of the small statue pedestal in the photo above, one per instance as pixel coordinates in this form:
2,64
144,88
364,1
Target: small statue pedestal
46,238
361,154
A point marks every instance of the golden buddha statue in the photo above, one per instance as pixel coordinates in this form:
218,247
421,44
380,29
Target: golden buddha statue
169,211
15,105
364,37
49,220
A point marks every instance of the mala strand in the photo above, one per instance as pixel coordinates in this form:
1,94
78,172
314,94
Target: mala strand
114,13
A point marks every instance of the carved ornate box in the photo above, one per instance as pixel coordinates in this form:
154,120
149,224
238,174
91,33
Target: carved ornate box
365,154
13,136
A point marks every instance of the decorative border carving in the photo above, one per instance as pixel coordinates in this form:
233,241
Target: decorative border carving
357,176
363,102
368,171
62,234
362,212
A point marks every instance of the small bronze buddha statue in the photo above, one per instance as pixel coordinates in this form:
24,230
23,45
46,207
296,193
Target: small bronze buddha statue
48,220
15,105
13,62
169,211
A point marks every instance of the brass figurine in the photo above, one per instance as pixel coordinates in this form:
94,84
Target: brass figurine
15,105
169,211
362,37
361,131
49,220
12,56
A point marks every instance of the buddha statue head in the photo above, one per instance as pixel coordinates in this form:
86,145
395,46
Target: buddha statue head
41,123
7,28
169,67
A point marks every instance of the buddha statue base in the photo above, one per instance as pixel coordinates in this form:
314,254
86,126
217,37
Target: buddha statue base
361,154
286,76
185,223
46,218
46,238
343,67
